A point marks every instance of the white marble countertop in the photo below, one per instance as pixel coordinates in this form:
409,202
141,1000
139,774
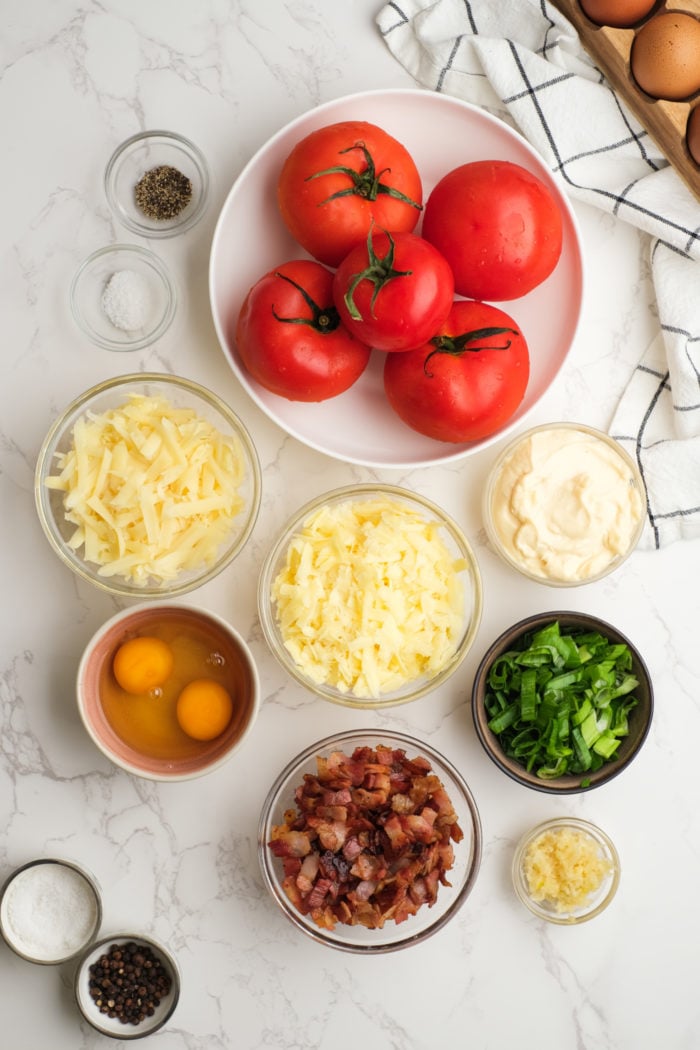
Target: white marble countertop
179,861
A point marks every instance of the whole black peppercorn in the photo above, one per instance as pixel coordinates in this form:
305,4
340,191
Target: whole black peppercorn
116,989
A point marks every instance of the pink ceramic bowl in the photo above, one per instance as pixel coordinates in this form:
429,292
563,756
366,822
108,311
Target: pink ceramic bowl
160,751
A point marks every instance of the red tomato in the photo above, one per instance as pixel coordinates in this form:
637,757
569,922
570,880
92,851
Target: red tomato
467,382
498,226
339,180
290,338
394,291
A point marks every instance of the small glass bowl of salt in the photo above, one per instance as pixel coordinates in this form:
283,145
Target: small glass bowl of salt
50,911
122,297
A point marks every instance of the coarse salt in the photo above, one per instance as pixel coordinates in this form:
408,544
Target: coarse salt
49,911
125,300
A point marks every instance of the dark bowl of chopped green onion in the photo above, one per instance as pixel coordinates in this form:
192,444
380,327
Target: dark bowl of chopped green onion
562,702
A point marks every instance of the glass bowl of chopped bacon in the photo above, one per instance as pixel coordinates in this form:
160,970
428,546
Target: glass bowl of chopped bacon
147,485
369,841
370,596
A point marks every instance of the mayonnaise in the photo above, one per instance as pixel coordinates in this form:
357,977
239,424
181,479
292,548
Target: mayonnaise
565,504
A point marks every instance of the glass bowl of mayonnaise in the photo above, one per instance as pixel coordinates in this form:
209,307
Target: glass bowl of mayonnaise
564,504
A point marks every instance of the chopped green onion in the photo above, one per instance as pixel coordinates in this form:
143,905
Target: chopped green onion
559,701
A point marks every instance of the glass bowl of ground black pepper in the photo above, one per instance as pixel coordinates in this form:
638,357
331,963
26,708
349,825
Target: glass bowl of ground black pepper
127,986
157,184
122,297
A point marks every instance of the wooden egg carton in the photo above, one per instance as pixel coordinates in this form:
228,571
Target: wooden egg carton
665,121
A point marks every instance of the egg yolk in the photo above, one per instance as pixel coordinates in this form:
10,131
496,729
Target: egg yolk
142,664
204,709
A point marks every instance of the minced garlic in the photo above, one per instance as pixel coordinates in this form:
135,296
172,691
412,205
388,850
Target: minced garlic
564,866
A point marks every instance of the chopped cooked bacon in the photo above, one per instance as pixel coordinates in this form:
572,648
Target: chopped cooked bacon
364,890
417,827
331,813
370,839
332,836
368,866
396,833
401,803
352,848
307,873
288,843
319,892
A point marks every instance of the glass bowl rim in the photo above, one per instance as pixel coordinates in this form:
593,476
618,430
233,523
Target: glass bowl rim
152,260
382,737
59,425
130,1031
597,904
277,548
495,471
193,152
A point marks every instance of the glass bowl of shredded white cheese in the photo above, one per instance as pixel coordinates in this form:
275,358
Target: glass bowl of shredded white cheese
123,297
370,596
147,485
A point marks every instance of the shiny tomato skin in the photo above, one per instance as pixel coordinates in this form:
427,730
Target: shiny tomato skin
409,307
329,228
461,397
498,226
293,360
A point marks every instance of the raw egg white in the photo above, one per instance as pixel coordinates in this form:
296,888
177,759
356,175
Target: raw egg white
665,56
618,13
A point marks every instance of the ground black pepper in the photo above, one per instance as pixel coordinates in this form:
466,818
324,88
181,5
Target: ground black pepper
128,982
163,192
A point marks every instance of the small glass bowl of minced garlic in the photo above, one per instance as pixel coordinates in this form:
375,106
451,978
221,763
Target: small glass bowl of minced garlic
157,184
566,870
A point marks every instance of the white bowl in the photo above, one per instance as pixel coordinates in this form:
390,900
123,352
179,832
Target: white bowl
440,133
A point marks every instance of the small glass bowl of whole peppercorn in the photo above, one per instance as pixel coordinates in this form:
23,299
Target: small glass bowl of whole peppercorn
127,986
157,183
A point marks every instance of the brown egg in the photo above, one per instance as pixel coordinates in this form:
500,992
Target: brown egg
618,13
665,56
692,134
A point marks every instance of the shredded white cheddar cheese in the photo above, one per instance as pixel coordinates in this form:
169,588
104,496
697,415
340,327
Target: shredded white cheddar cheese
369,598
564,867
152,489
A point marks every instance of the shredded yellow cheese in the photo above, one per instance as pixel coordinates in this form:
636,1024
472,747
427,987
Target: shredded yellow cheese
369,597
564,866
152,489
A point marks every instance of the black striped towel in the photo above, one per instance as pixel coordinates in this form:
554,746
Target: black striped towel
523,61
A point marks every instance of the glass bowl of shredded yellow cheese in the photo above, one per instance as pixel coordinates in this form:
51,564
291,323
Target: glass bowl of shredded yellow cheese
566,870
370,596
147,485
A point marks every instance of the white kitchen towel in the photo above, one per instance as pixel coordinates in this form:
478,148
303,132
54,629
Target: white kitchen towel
523,61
